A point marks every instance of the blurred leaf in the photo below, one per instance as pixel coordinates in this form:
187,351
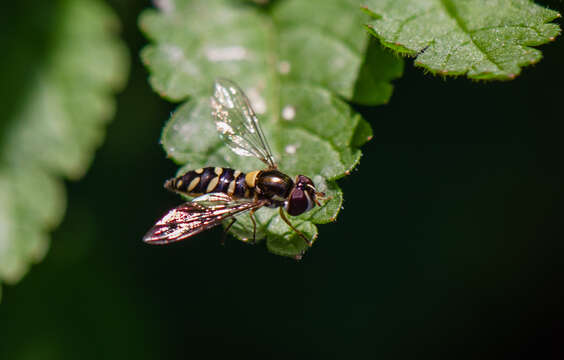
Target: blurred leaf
293,60
56,127
482,39
316,42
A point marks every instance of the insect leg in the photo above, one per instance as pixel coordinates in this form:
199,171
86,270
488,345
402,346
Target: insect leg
283,216
226,230
322,196
252,216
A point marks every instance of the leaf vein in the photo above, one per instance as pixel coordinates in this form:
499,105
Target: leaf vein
450,9
407,20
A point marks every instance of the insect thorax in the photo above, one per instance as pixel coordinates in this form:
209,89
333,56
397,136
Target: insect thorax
273,185
211,179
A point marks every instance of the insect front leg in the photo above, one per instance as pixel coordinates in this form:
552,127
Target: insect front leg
283,216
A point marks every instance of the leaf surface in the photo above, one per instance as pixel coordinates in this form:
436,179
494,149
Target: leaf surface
482,39
57,123
295,61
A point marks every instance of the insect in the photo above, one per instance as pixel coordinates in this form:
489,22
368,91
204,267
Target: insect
223,193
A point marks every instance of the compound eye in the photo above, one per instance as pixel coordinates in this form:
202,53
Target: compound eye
299,202
303,181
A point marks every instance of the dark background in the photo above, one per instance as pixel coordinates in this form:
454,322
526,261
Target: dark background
449,245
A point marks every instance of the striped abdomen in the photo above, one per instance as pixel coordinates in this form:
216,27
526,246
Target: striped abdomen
209,180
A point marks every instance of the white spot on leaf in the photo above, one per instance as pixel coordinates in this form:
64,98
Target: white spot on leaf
165,5
284,67
289,112
177,57
291,149
174,52
228,53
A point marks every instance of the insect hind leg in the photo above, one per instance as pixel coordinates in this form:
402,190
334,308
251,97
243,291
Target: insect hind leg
252,216
226,231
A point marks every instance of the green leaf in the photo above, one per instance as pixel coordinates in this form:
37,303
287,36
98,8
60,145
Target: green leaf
482,39
315,42
294,60
56,126
379,68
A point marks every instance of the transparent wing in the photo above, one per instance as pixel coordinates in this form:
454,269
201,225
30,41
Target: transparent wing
193,217
237,123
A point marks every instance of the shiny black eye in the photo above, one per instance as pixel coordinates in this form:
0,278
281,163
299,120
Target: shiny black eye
297,203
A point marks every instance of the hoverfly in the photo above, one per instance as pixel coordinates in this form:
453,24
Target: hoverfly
223,193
